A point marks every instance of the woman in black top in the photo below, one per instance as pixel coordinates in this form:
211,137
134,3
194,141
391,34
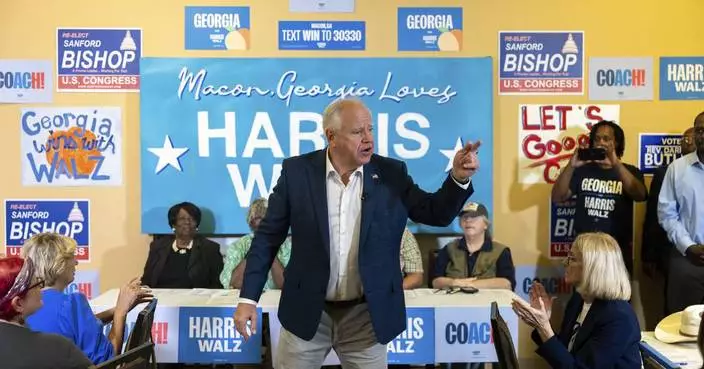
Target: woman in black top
184,259
20,297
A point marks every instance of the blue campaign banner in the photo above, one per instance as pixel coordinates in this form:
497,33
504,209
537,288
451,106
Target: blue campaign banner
430,29
416,345
25,218
322,35
464,334
208,335
541,62
682,78
217,28
98,59
656,150
562,227
216,136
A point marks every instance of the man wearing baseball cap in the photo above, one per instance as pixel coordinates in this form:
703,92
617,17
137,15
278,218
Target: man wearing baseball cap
474,260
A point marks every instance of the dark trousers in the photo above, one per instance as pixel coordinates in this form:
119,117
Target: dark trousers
685,283
663,266
627,252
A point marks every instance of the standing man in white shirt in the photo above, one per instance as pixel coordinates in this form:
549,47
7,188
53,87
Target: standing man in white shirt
681,215
347,208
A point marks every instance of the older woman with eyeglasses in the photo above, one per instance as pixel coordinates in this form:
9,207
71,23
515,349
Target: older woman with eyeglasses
599,329
235,258
21,348
70,315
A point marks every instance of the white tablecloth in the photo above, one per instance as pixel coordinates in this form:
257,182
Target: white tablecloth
195,326
270,299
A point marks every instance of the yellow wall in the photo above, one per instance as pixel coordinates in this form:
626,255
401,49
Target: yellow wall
612,28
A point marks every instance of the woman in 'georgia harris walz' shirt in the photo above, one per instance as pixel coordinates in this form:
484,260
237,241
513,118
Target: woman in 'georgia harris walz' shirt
605,189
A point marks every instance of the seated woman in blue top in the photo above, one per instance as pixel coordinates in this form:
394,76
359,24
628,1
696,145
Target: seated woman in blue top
599,329
70,315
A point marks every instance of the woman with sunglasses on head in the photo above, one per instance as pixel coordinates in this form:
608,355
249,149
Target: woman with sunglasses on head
69,314
21,348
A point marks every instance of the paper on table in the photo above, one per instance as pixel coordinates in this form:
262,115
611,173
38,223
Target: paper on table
424,292
224,297
685,354
201,292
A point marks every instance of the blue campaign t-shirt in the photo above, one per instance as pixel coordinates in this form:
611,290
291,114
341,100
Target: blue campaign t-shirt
70,315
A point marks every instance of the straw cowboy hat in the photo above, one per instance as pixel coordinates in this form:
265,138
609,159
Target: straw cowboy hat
682,326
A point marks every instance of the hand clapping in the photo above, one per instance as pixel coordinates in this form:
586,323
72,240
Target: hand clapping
538,293
536,313
536,318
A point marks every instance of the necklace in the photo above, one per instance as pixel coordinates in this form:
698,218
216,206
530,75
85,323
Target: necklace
182,250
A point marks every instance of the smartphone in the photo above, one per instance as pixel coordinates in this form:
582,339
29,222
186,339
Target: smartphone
469,289
595,153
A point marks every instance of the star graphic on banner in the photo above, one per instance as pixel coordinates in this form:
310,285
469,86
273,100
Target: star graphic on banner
168,155
450,154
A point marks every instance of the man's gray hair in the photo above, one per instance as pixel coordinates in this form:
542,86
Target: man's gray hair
331,114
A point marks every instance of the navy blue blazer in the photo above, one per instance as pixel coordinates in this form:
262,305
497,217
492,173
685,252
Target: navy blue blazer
299,201
609,337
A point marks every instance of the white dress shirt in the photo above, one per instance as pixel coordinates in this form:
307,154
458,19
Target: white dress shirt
344,220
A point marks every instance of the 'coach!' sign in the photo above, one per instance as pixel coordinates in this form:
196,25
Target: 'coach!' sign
86,282
165,328
465,335
552,277
621,78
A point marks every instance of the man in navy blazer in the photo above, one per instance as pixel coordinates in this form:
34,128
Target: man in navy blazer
346,208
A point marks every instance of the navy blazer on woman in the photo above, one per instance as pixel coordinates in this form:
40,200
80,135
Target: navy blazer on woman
299,201
608,338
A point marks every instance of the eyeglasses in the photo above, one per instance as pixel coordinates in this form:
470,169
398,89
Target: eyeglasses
570,259
39,283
